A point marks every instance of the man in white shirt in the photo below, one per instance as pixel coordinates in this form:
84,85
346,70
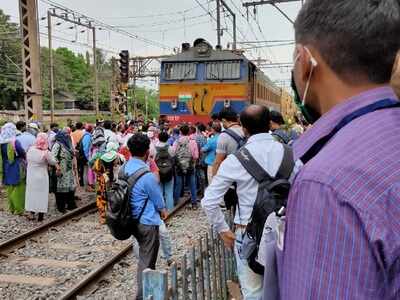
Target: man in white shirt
108,133
255,121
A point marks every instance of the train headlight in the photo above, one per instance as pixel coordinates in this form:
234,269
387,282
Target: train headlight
227,103
174,104
203,49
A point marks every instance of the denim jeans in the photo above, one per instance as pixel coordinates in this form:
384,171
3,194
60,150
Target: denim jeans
167,189
251,284
189,179
201,179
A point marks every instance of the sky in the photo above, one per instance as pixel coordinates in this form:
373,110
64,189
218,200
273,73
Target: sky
170,23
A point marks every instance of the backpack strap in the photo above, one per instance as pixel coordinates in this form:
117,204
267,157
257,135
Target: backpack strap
132,180
287,165
258,173
251,165
279,136
238,139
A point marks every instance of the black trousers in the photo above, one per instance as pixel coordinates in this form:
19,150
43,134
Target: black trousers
65,201
149,243
81,169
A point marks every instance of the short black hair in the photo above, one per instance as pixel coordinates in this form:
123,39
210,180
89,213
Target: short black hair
214,116
53,125
20,125
276,117
358,39
228,114
184,129
163,136
217,127
78,125
107,124
192,129
145,128
138,144
255,119
201,127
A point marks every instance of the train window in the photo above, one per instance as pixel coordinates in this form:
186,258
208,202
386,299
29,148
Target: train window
179,71
223,70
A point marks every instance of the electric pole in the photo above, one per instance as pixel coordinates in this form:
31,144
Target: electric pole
66,16
273,3
146,105
218,23
233,22
31,60
96,79
51,67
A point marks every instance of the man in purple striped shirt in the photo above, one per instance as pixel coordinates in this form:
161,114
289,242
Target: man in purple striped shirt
342,238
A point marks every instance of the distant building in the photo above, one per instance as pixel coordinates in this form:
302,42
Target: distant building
65,100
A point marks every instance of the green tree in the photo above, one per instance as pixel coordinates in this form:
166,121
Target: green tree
141,93
11,93
73,73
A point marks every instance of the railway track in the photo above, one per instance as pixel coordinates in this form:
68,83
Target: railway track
19,249
21,238
98,273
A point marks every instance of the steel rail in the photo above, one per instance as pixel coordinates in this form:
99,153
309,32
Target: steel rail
96,274
13,242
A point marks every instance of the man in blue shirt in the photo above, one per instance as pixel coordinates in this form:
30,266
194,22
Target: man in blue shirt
146,188
28,137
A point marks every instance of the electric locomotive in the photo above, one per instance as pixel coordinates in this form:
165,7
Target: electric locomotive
200,81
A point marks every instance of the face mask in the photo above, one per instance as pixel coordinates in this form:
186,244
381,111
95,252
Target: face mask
309,113
150,134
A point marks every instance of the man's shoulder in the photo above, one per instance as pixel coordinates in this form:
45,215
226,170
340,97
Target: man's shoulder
358,163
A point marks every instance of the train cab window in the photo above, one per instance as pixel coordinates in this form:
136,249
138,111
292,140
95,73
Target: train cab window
180,71
223,70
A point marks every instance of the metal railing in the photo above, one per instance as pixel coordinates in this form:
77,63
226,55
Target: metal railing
202,273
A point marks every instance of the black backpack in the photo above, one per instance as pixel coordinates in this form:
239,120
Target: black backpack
80,154
164,163
272,195
118,209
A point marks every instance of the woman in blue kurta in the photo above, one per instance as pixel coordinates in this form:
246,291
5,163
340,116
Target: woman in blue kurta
13,168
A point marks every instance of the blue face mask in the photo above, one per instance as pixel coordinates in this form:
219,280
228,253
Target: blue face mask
309,114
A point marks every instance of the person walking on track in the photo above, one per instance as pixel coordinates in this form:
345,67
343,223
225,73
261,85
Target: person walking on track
37,177
147,205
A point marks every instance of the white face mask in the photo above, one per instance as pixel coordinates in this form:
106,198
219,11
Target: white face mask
150,134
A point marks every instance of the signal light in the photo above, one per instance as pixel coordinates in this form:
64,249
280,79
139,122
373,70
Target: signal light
124,66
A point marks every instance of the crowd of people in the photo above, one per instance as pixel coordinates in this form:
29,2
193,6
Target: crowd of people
332,192
182,159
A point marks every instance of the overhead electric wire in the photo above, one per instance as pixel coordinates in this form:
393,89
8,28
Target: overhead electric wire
60,39
161,14
171,21
176,28
101,24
